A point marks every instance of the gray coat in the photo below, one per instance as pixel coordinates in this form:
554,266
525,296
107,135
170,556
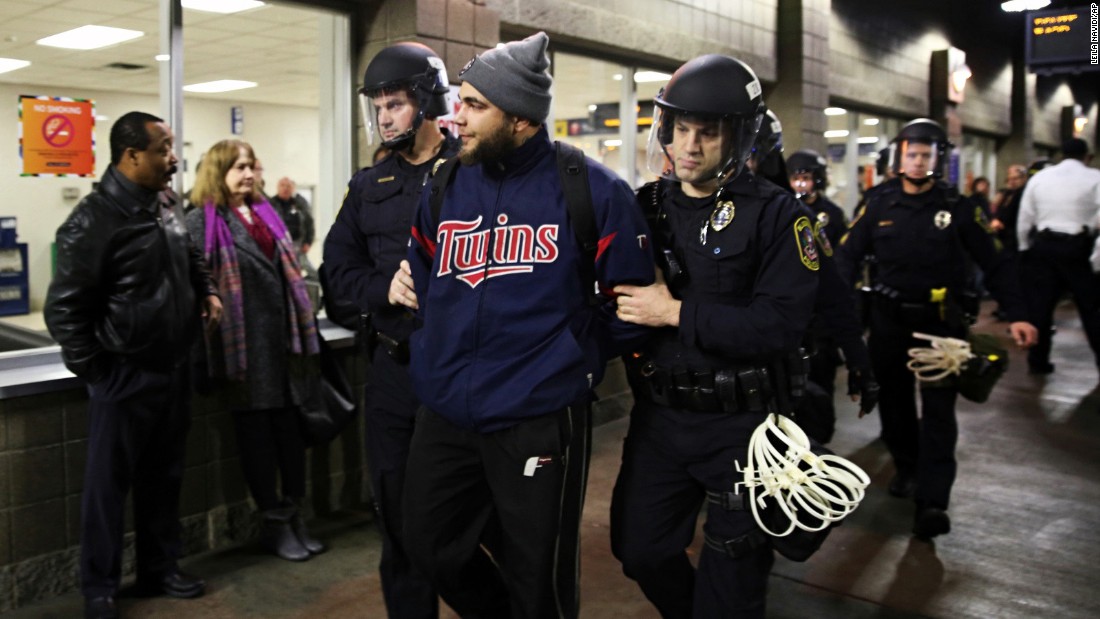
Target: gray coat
267,383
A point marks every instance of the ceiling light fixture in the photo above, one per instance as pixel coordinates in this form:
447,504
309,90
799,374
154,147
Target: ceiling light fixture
162,57
219,86
870,121
870,139
836,133
90,37
221,6
11,64
642,77
1015,6
835,111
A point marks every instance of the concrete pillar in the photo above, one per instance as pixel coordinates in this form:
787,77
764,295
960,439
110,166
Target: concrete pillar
801,93
1020,146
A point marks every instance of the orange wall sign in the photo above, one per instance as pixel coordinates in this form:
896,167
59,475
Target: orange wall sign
57,136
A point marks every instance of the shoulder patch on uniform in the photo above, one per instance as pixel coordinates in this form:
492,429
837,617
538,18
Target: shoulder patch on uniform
385,179
807,248
885,222
983,221
822,240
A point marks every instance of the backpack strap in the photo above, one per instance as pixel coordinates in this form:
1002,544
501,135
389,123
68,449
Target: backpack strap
573,170
441,179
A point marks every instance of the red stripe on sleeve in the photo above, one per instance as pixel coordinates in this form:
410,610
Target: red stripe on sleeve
604,242
424,241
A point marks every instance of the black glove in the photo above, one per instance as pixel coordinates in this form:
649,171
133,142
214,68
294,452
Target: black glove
862,382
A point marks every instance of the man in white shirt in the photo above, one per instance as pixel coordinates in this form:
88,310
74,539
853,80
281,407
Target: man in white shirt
1057,230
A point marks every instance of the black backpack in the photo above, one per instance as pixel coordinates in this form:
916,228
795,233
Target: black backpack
573,172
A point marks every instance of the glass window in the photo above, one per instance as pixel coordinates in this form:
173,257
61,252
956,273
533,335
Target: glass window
277,47
588,97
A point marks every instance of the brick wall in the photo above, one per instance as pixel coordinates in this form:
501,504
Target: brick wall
43,446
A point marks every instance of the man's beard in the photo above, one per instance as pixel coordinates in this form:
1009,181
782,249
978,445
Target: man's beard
490,147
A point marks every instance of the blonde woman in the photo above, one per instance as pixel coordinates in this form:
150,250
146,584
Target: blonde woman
268,327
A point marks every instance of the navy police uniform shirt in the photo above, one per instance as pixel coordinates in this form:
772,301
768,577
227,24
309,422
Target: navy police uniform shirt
750,272
370,236
922,241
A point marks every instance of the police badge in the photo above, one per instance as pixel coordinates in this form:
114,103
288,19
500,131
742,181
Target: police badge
942,219
722,215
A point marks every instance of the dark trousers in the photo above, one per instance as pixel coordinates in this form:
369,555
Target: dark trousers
924,446
271,446
516,493
137,432
1049,269
670,459
390,419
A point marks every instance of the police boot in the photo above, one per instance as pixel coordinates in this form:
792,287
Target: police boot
298,525
930,522
279,537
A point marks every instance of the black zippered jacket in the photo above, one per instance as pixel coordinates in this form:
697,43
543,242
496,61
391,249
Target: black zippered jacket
128,283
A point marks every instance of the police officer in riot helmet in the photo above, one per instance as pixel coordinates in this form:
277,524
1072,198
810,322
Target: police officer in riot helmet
407,78
921,231
740,275
808,176
404,92
767,154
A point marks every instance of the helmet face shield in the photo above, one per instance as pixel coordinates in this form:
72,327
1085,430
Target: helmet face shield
699,149
391,115
917,159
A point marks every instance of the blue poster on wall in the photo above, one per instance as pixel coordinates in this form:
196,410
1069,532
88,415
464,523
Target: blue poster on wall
953,168
236,120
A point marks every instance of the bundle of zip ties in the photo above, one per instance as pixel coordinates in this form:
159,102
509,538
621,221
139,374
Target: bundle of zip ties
826,487
945,357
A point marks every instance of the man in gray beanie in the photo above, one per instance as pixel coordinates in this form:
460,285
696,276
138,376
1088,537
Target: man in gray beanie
505,369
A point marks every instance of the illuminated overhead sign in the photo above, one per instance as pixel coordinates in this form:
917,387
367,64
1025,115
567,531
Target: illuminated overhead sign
1061,40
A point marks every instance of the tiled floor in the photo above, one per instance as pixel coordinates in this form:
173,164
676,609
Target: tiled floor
1025,517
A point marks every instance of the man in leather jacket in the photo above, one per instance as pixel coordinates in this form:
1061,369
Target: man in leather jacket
125,305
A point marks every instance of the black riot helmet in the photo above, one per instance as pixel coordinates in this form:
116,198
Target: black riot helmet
921,131
412,68
769,139
767,152
808,161
708,88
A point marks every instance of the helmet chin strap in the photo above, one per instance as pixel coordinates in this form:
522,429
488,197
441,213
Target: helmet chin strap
919,182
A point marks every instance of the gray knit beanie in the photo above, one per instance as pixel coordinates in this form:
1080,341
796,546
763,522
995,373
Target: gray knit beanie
514,77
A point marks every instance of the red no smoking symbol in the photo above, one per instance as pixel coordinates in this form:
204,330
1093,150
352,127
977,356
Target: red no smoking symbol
58,131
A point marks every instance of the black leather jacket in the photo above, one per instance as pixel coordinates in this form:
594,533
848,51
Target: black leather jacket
128,283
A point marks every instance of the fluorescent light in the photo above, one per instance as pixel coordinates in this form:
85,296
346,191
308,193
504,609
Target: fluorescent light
835,111
612,143
836,133
221,6
11,64
90,37
220,86
162,57
642,77
101,118
868,140
1015,6
592,107
618,77
870,121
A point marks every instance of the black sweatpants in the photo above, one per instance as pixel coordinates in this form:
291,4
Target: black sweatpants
390,420
137,433
516,493
671,458
922,445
